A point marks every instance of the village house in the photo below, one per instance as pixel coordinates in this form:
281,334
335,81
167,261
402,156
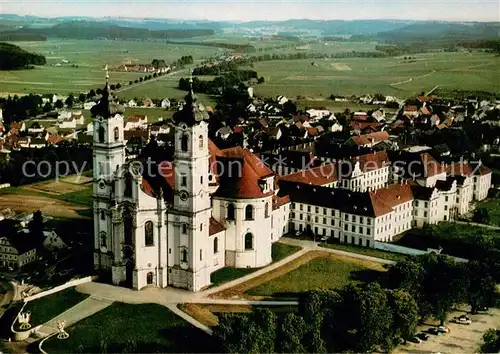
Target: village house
138,121
88,105
165,103
368,140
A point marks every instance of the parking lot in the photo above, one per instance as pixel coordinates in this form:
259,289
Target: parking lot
461,339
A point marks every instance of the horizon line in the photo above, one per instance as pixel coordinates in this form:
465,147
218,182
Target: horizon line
248,21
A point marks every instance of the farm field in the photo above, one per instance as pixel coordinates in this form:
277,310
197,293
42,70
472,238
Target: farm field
91,57
390,76
69,197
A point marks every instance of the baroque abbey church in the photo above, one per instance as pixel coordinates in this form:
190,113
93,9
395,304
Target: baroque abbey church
205,210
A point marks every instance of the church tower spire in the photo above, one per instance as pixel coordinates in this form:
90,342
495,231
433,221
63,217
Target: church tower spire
108,157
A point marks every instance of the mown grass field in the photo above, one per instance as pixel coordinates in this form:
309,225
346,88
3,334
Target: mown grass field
125,328
321,273
390,76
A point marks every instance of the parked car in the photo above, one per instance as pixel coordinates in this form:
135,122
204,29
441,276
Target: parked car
298,233
443,329
483,308
434,331
423,336
325,238
462,320
415,339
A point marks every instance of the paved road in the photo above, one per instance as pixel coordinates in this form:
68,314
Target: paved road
491,227
314,246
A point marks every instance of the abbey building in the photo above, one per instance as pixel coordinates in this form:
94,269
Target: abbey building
182,220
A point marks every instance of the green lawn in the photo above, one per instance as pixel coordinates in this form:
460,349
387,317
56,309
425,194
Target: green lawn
358,76
493,206
366,251
80,197
46,308
125,328
226,274
321,273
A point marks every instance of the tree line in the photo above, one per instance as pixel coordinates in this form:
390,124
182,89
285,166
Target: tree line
220,83
216,69
12,58
19,170
360,318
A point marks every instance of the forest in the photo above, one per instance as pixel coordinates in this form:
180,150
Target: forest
12,57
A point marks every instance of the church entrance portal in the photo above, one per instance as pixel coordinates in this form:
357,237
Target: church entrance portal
149,278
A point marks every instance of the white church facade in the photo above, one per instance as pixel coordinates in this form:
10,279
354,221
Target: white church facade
175,224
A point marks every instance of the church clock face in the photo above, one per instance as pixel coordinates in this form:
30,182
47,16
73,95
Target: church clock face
183,195
102,185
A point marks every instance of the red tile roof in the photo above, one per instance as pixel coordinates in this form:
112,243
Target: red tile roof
364,125
431,166
54,139
366,139
424,99
384,199
215,227
245,184
373,161
318,176
410,108
278,202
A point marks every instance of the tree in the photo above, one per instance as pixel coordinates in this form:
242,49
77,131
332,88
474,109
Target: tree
482,287
130,83
82,97
118,86
91,94
59,104
70,100
491,341
368,317
482,216
289,334
141,79
112,86
405,314
36,226
261,80
47,107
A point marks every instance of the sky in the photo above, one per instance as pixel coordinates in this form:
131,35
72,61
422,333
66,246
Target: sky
245,10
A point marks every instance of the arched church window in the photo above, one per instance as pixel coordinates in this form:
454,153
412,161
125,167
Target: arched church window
184,228
266,210
249,212
216,245
230,212
149,233
128,186
184,255
117,133
103,215
200,138
184,143
101,134
103,237
248,241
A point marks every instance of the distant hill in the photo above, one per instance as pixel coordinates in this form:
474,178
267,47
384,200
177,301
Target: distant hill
424,31
12,57
92,29
333,27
